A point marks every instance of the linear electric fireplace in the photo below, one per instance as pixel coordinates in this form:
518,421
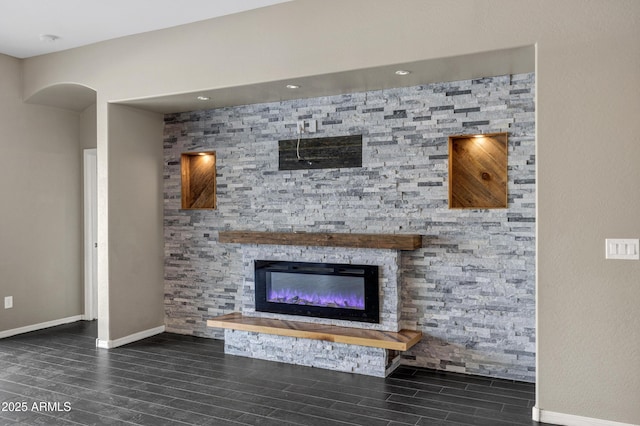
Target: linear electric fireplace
325,290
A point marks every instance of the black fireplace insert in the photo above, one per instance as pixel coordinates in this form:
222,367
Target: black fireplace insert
326,290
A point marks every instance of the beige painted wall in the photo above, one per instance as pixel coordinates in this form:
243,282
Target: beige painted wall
136,237
588,79
41,216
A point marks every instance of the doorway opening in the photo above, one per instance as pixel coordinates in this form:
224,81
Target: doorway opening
90,235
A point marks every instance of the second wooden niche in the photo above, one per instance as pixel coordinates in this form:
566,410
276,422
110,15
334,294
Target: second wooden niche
478,171
198,180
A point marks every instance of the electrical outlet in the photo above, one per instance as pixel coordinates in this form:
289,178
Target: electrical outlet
8,302
300,126
313,126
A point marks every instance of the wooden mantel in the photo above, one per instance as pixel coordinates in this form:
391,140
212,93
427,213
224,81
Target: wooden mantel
377,241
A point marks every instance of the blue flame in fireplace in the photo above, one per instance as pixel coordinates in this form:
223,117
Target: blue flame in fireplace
330,291
330,300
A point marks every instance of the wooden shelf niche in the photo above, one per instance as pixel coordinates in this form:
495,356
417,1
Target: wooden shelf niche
478,171
198,180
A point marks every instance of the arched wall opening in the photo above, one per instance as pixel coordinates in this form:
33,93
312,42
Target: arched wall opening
41,250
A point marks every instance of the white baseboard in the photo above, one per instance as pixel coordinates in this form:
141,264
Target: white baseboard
108,344
35,327
571,420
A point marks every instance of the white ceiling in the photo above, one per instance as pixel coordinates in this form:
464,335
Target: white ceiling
81,22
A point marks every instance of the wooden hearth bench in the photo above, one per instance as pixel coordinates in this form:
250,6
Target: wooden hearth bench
396,341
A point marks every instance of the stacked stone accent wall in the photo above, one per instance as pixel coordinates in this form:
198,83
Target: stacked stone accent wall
470,290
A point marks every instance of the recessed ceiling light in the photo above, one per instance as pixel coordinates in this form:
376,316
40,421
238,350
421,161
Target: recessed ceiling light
292,86
403,72
203,98
48,38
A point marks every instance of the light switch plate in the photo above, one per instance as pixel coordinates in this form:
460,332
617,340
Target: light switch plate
626,249
8,302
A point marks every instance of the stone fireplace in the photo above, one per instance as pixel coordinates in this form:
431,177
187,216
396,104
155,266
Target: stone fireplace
322,290
281,283
386,262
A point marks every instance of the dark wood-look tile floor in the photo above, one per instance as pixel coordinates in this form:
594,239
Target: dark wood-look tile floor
57,377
